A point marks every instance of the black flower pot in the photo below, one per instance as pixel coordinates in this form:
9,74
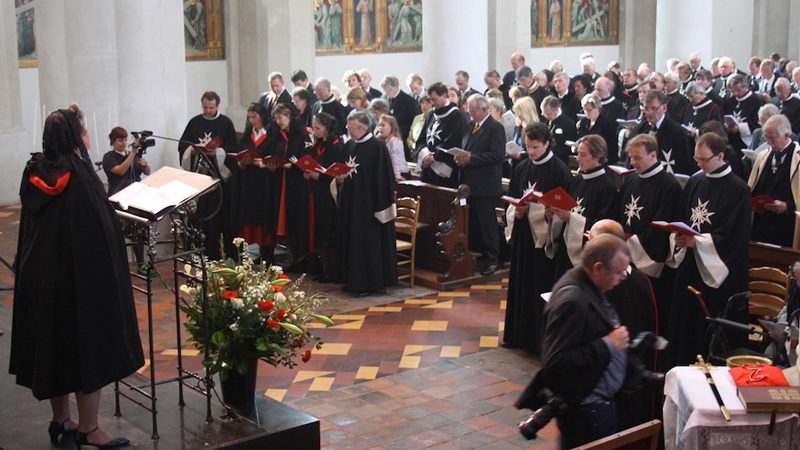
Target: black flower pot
239,390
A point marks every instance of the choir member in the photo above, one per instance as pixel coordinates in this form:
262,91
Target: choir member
742,107
327,103
600,123
716,204
672,144
365,238
703,109
443,129
561,125
531,271
300,100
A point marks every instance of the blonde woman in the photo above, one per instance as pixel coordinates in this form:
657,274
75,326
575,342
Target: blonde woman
525,114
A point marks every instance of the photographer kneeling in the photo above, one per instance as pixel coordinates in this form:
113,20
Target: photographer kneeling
123,168
585,358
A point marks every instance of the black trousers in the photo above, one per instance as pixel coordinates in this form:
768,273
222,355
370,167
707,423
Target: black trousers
585,423
483,236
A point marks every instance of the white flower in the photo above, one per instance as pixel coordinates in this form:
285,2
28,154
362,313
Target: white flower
238,241
234,326
191,291
187,268
277,269
279,297
236,303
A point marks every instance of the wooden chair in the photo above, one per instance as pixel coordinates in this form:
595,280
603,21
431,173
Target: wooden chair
768,287
644,437
769,274
765,305
406,228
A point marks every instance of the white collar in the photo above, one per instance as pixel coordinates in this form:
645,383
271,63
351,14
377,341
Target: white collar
451,108
651,172
702,105
720,174
745,97
595,174
330,99
607,101
212,118
672,92
547,157
365,138
709,89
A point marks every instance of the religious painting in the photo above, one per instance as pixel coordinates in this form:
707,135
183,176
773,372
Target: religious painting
574,22
593,22
203,32
367,26
26,39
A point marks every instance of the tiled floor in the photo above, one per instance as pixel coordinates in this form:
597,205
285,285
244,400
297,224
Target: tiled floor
411,369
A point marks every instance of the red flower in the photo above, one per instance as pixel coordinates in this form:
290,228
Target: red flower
273,324
230,294
299,343
266,306
221,283
276,288
283,276
306,356
281,313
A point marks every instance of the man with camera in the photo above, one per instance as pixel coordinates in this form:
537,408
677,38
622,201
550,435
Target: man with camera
123,168
585,361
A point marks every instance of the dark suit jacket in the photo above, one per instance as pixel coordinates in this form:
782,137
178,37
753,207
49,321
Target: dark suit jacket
374,93
269,100
671,137
791,109
404,109
574,355
312,96
466,94
678,107
485,170
571,106
563,129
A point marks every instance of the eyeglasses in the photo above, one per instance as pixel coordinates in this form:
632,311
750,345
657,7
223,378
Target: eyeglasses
703,160
652,108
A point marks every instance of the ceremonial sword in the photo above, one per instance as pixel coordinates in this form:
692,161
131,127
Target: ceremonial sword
704,367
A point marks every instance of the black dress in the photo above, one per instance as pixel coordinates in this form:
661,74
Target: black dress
531,271
74,324
322,207
253,196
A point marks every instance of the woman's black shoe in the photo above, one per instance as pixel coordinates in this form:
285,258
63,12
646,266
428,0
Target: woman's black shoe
56,429
82,439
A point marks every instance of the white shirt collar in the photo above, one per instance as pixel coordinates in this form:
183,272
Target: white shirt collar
659,167
744,97
607,101
330,99
702,105
595,174
726,171
547,157
364,139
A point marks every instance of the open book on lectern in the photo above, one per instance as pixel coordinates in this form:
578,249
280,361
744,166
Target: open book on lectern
161,192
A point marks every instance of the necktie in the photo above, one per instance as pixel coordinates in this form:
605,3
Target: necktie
475,127
274,100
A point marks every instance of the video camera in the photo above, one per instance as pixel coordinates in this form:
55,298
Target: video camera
143,141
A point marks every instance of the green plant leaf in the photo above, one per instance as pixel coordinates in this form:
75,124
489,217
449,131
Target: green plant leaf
292,328
324,319
280,281
218,338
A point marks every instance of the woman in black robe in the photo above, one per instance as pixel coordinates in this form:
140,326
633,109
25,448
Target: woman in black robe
288,139
253,200
300,99
596,195
531,271
74,325
596,122
327,149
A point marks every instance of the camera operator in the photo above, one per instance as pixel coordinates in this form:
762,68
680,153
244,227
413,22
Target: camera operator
123,168
585,359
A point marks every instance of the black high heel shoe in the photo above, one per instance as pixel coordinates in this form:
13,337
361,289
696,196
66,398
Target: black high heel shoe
56,429
82,439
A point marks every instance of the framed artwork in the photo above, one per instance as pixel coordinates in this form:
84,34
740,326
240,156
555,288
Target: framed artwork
203,30
574,22
367,26
26,39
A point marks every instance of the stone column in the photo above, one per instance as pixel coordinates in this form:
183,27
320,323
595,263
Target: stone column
771,27
637,32
15,143
461,44
509,31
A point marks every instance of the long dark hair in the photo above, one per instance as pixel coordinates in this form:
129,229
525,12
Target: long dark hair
62,133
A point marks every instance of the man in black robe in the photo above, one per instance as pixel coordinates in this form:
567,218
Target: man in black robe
741,112
443,129
703,109
775,174
716,204
561,127
673,147
677,103
789,103
570,105
401,105
365,241
202,129
612,108
327,103
482,170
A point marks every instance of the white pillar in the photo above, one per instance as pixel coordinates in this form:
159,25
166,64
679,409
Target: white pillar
771,27
152,73
509,31
637,32
15,144
454,38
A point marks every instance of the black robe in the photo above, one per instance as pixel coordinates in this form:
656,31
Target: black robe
563,129
366,249
253,196
444,128
74,325
673,148
322,222
791,109
770,227
570,105
334,108
613,108
606,128
717,205
404,108
597,199
531,270
677,107
745,109
200,130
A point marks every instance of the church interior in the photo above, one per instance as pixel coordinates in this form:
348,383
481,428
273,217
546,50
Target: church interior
414,366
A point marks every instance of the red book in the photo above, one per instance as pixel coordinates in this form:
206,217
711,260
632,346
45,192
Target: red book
619,170
211,145
244,154
558,198
306,163
759,201
336,169
531,196
675,227
273,159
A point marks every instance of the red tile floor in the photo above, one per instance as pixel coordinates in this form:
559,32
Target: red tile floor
402,371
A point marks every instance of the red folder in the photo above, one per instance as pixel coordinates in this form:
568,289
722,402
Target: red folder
272,159
307,163
619,170
759,202
558,198
244,154
675,227
211,145
336,169
531,196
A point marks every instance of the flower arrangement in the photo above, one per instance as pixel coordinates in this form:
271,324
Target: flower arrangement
254,311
